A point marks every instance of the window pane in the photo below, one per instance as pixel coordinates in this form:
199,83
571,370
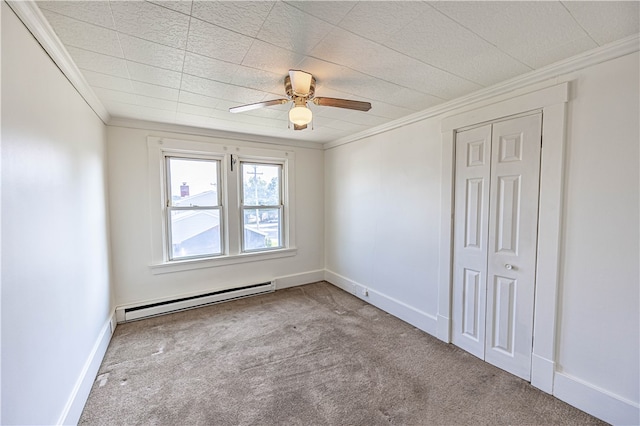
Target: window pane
195,233
262,229
261,184
193,182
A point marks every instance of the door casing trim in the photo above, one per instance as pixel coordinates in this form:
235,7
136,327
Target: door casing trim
552,101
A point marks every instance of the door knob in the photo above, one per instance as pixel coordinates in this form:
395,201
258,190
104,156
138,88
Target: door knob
508,266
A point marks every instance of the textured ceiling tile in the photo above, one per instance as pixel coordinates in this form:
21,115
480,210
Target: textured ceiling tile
83,35
203,86
606,21
198,100
340,125
117,109
245,17
330,11
150,53
414,100
154,75
218,43
378,21
538,59
155,91
386,64
292,29
402,57
105,81
244,94
194,110
364,118
156,114
219,90
151,22
126,110
271,58
516,27
260,80
439,41
182,6
93,12
198,121
205,67
337,81
107,95
92,61
156,103
134,99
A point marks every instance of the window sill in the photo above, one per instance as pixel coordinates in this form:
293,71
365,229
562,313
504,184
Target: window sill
186,265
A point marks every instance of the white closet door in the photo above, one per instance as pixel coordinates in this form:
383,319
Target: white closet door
513,219
495,239
473,157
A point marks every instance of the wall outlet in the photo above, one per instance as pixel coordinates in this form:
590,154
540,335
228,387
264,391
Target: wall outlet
362,291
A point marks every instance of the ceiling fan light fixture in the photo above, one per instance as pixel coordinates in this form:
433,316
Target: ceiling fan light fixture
300,115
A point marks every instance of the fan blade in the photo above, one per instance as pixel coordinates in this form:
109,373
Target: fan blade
343,103
297,127
300,82
257,105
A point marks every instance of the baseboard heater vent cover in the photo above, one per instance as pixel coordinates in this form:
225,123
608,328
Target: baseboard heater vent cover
184,303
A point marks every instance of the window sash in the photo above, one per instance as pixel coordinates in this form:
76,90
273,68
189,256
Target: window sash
280,234
280,167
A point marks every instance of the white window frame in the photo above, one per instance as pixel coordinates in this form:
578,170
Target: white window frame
230,156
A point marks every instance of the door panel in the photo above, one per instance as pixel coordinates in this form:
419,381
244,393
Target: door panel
513,218
473,149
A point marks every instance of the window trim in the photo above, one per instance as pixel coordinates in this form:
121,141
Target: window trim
231,233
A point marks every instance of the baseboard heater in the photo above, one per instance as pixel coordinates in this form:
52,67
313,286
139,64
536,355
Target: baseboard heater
184,303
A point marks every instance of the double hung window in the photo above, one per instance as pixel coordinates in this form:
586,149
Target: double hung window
194,210
218,204
261,205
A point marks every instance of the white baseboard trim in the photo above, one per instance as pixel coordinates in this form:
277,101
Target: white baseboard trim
339,281
78,398
444,329
299,279
419,319
542,373
595,401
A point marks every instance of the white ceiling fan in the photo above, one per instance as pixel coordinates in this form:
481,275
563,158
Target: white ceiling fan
300,87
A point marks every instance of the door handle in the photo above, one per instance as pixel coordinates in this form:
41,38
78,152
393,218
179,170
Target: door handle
508,266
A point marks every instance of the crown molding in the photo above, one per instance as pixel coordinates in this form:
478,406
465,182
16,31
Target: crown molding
592,57
211,133
31,16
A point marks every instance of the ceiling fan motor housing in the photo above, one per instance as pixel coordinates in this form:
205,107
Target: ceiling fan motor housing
288,87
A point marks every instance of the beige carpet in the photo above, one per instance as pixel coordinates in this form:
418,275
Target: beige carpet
309,355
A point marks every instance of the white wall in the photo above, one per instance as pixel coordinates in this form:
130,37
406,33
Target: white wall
599,318
382,213
383,210
131,231
56,299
